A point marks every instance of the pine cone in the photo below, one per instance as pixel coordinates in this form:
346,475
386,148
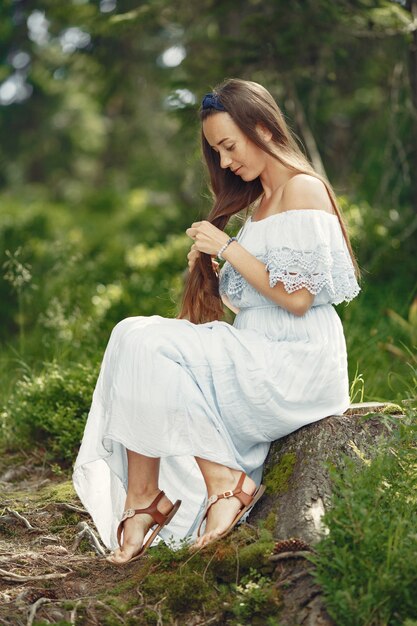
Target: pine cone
294,544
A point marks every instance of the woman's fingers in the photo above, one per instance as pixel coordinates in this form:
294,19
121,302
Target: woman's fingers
192,256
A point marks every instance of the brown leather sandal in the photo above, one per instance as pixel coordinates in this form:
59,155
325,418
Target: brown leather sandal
160,519
247,502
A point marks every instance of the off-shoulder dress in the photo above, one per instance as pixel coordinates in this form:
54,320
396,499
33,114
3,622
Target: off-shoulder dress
173,389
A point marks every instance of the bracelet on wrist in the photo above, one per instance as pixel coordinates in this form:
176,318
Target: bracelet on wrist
223,248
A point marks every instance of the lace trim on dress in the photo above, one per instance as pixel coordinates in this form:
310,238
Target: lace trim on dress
232,283
313,269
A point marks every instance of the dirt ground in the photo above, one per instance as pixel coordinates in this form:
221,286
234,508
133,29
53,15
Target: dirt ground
53,570
50,568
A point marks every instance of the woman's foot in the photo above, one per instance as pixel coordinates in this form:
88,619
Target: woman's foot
135,528
222,513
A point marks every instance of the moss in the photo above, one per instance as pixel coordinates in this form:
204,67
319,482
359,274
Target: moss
225,563
255,557
184,590
126,585
391,409
277,477
58,492
269,523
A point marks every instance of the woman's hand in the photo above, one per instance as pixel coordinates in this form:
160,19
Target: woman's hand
207,237
192,257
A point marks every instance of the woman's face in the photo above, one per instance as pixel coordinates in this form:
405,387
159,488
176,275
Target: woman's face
236,151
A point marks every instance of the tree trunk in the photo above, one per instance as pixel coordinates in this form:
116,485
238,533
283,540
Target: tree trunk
293,103
297,480
411,6
298,493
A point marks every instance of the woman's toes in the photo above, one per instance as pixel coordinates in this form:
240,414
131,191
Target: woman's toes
204,540
121,556
114,557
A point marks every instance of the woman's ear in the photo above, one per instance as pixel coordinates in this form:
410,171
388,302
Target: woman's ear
264,133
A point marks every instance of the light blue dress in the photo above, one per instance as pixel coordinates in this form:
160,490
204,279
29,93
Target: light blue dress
173,389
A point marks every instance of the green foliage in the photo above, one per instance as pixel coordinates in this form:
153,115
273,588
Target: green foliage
365,564
50,408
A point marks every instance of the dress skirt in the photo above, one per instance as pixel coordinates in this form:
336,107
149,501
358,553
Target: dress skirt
172,389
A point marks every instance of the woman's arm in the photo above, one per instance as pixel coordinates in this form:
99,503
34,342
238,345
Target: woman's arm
301,192
254,271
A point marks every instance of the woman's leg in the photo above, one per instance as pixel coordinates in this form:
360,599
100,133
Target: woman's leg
218,479
142,488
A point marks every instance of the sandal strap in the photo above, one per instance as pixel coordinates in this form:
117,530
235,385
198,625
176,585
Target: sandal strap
238,492
152,510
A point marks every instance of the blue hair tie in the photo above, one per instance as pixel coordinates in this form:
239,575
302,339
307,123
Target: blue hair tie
211,101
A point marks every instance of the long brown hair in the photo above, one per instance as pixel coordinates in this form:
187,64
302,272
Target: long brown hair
248,104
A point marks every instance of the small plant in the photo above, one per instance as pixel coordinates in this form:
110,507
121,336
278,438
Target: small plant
357,387
255,596
19,276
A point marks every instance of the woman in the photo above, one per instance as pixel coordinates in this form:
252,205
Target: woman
185,409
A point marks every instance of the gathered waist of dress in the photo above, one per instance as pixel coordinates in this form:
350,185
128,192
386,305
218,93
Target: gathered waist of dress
277,323
261,306
243,309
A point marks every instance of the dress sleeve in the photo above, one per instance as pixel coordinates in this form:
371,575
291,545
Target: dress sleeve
306,248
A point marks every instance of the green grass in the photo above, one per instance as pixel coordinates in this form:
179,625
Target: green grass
50,409
366,565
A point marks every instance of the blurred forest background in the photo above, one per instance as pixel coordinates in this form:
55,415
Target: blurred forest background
101,173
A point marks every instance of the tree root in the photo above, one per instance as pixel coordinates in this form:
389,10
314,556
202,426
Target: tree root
87,532
71,507
35,606
22,519
301,554
12,577
73,616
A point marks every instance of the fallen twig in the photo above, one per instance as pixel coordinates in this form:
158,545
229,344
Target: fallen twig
73,615
11,576
106,606
22,519
46,539
71,507
87,532
208,565
156,608
292,579
301,554
35,606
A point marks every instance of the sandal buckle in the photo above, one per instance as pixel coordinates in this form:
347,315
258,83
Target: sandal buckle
228,494
128,513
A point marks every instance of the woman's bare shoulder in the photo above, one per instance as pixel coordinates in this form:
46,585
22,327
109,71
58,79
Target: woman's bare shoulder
304,191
